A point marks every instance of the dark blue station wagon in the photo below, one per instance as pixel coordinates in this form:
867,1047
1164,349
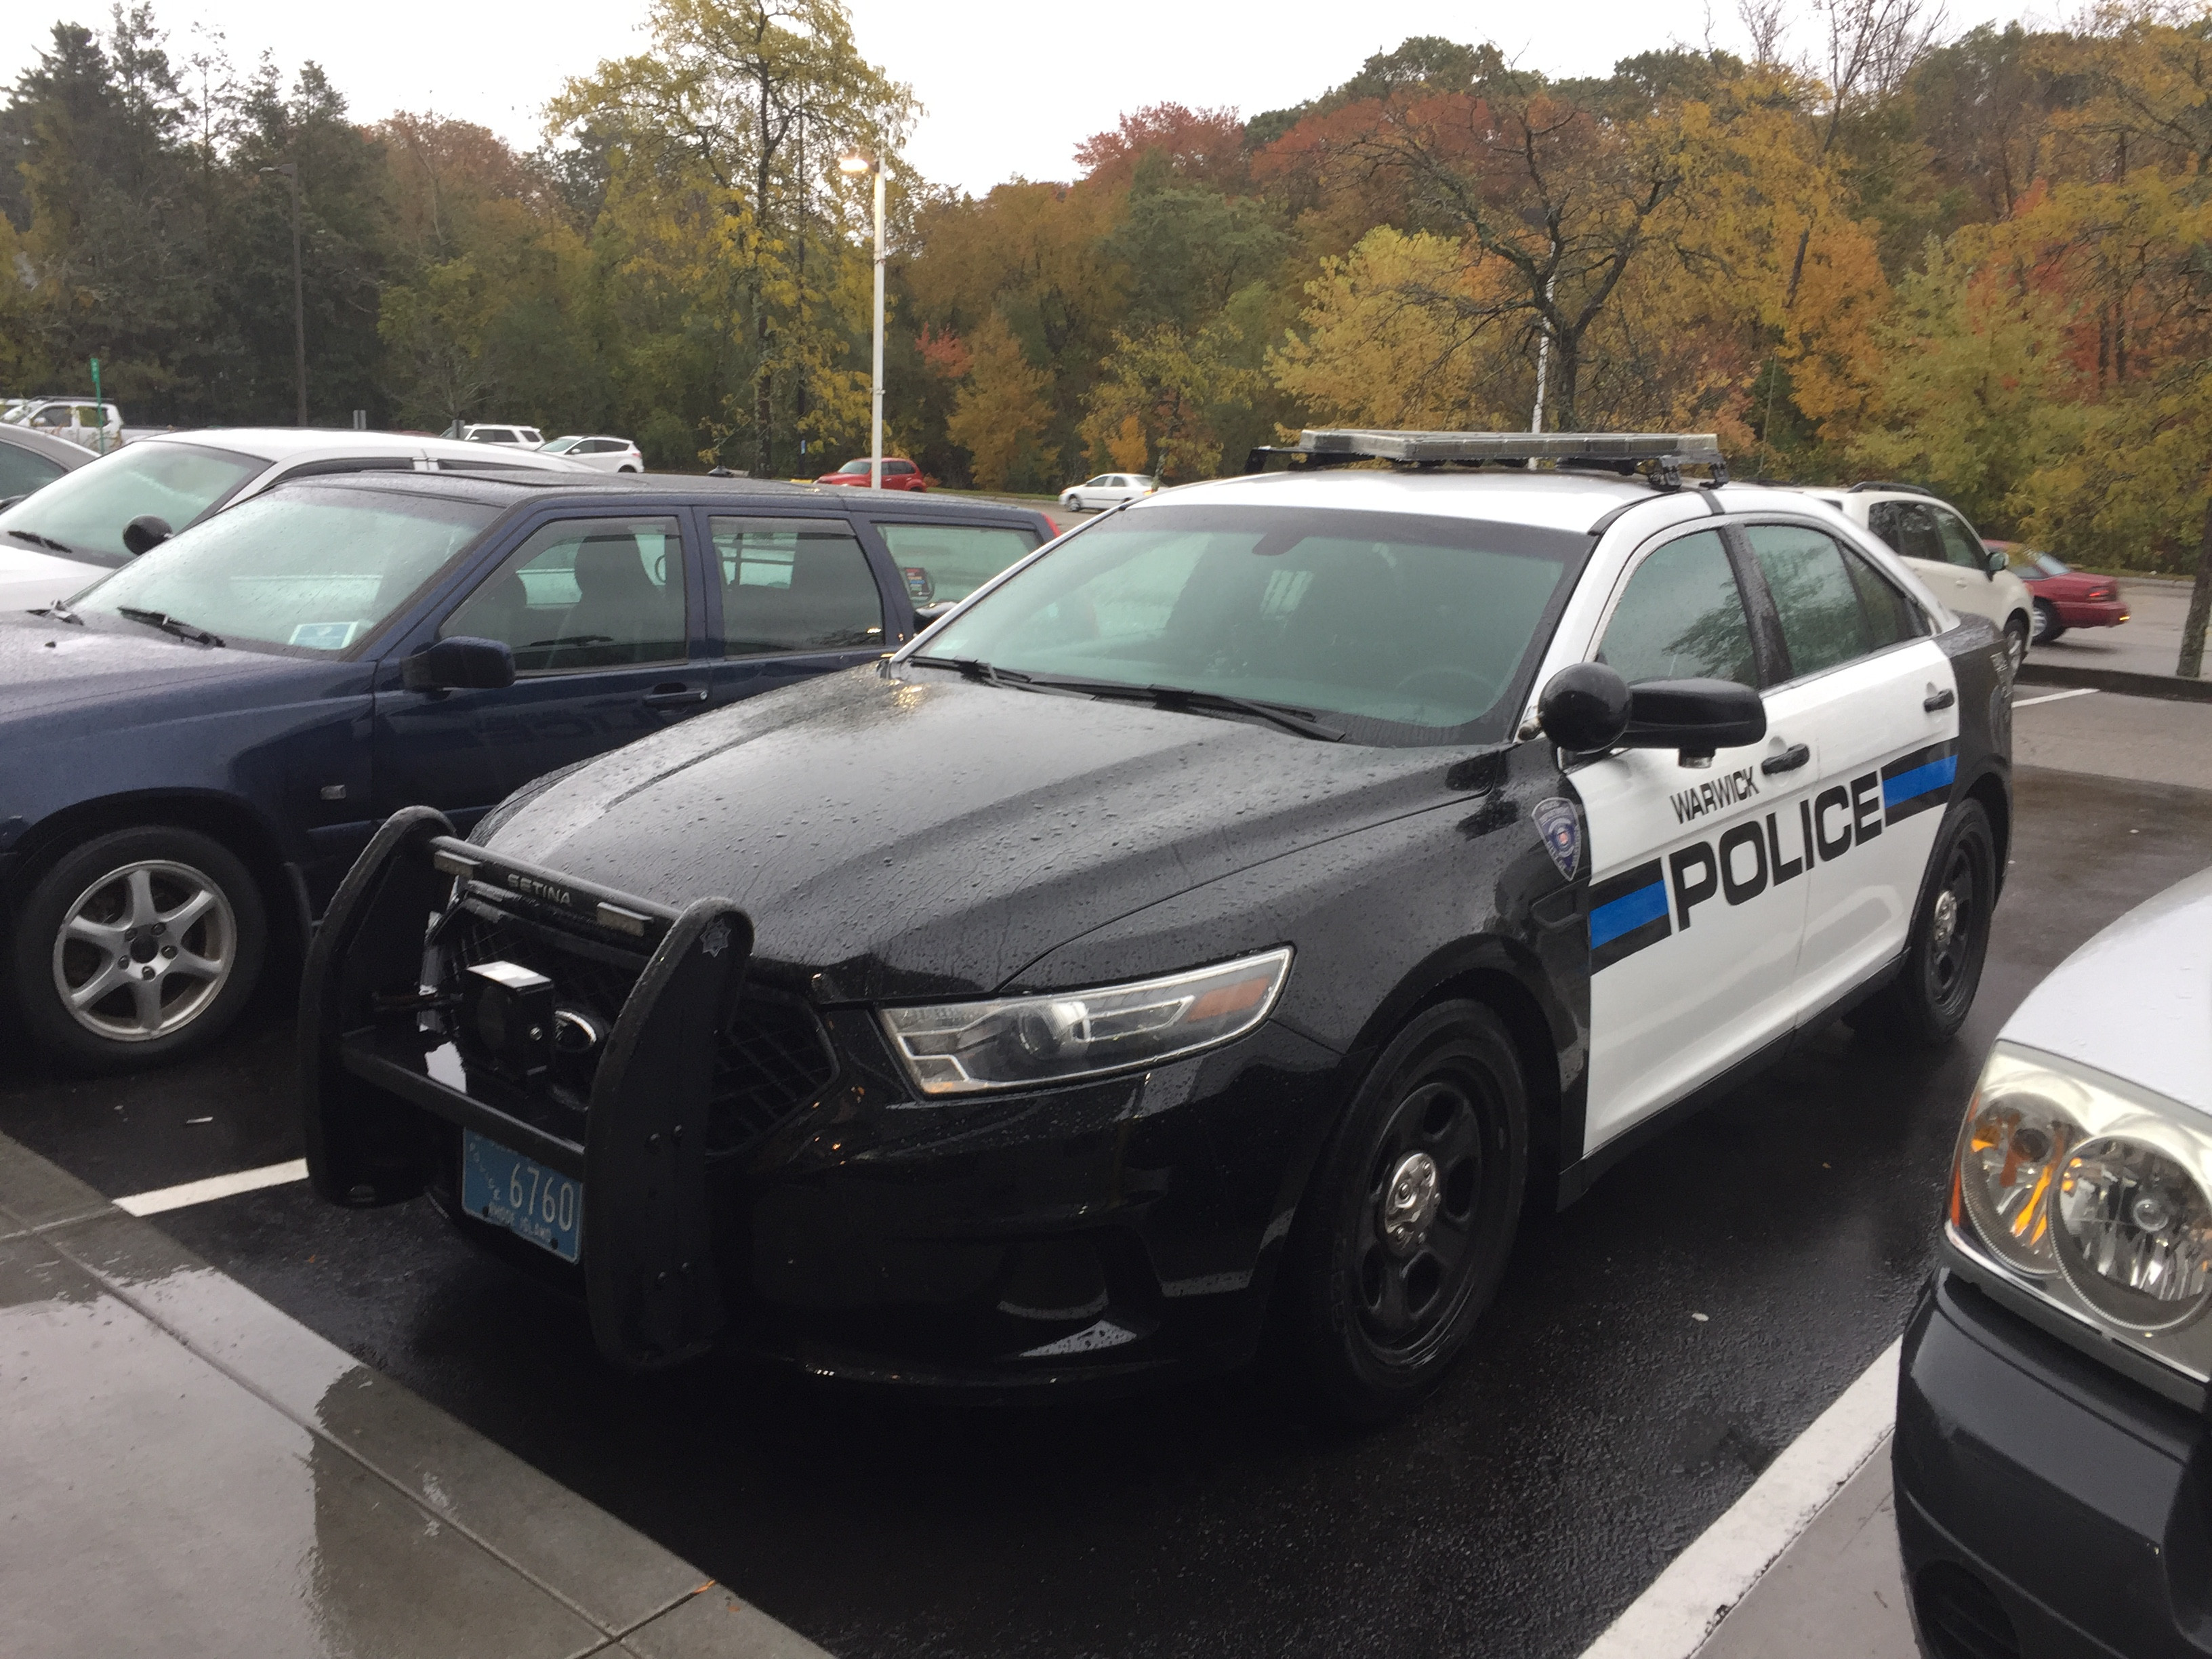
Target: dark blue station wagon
193,749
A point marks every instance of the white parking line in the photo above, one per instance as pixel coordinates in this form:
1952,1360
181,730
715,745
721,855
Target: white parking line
2057,696
214,1186
1679,1608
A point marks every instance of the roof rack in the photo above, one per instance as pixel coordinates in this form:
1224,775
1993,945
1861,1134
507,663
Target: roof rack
1888,484
1659,456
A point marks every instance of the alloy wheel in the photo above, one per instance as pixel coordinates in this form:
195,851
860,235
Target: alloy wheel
144,950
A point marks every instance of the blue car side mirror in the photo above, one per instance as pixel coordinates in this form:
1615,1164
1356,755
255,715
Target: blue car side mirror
460,664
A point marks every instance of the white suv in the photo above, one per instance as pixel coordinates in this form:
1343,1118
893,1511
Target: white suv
1941,548
514,437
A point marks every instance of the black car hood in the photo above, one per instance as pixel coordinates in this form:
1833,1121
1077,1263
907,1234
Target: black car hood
907,833
49,667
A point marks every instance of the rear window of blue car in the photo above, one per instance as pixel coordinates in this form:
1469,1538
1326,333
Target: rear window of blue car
305,568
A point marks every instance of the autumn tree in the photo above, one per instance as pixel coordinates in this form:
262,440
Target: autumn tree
752,102
1001,415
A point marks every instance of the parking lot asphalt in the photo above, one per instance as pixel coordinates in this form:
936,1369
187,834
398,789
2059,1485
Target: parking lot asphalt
1598,1428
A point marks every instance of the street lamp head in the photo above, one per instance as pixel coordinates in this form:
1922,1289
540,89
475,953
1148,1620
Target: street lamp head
290,169
856,162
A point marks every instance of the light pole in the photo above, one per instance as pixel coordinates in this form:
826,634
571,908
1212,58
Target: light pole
857,164
291,170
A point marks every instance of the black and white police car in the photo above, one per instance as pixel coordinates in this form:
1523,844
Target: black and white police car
1207,936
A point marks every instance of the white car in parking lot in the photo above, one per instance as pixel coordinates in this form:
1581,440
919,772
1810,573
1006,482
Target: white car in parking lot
601,453
101,516
1940,547
1108,489
97,426
516,437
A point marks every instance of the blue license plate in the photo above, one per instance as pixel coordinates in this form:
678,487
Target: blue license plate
530,1200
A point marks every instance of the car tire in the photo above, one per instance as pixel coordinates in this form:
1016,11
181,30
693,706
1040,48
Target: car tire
1409,1217
2047,625
1933,993
2015,639
173,902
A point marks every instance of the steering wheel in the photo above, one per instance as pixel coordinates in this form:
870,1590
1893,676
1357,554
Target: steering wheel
1441,670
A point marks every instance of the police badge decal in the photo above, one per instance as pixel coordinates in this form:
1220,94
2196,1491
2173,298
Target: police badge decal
1561,829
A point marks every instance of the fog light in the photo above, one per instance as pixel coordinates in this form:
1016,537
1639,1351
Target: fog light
2134,1235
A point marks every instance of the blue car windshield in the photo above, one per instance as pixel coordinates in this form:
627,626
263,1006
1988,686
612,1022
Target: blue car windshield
309,567
1402,629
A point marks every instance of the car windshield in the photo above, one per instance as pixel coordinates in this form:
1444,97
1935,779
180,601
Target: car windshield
855,466
560,445
2043,564
310,568
84,514
1402,630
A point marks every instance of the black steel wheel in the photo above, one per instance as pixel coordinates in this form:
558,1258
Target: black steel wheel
1928,1001
1412,1212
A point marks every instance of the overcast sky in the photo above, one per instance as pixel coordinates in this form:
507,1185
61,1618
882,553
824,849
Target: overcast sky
1009,87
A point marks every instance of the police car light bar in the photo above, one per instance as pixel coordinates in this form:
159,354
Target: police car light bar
1663,454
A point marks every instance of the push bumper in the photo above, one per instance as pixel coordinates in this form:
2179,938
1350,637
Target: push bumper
389,1074
2047,1506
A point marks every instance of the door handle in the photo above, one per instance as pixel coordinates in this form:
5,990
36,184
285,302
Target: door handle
1788,761
1938,700
674,696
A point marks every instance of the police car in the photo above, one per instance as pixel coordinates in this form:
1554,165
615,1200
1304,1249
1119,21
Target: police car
1203,941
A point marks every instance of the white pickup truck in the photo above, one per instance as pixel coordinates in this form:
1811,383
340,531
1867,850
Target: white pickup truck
97,426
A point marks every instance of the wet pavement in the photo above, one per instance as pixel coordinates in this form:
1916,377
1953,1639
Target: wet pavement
1599,1427
187,1471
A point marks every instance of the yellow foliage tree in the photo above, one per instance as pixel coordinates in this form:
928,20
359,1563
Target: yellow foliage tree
1001,411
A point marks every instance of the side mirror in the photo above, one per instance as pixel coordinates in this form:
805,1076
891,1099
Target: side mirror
1695,716
144,533
1584,707
460,664
1998,562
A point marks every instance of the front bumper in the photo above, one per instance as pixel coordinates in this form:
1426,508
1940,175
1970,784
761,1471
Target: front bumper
2047,1505
1093,1232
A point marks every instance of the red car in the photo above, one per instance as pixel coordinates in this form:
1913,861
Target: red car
899,473
2064,597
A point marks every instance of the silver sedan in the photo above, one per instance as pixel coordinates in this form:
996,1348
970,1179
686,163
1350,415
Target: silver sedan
1107,490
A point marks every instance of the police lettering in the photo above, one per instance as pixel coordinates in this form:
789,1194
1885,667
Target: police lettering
1769,850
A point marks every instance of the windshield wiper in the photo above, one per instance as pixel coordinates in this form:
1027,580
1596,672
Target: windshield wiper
59,612
976,668
46,542
1302,721
169,624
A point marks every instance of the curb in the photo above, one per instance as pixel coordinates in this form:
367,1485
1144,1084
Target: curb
2168,687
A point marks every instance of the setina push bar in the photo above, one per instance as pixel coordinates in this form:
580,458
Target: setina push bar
394,1061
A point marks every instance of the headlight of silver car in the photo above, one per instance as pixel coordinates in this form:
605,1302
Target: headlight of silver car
2091,1191
1012,1043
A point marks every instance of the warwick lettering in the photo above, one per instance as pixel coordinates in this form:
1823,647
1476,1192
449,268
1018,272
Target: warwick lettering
1714,793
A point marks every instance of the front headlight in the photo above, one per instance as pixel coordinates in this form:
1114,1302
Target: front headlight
1012,1043
2091,1191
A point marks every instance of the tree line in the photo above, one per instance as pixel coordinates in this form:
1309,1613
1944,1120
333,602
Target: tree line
1978,263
